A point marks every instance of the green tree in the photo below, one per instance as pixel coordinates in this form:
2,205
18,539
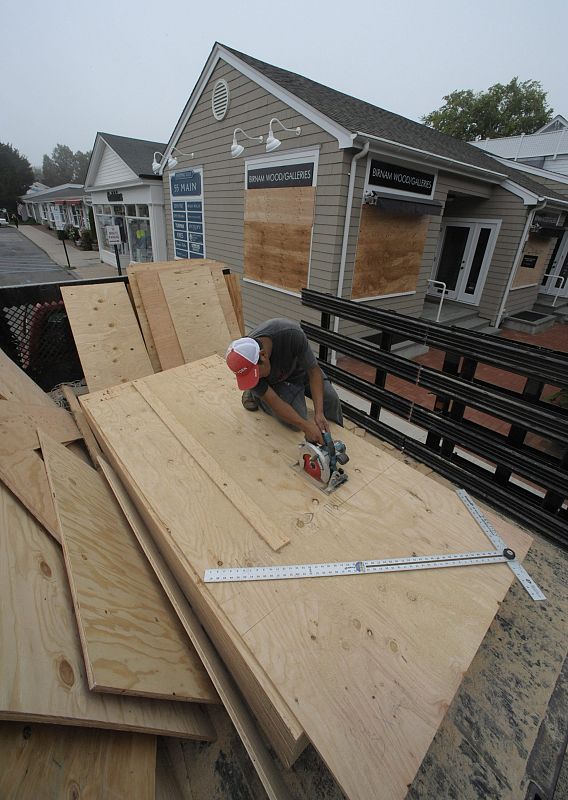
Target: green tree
503,110
16,176
65,166
59,167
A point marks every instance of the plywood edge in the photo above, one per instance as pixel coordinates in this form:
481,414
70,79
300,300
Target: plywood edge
16,385
278,721
234,286
159,320
220,677
81,421
142,319
226,302
196,686
254,515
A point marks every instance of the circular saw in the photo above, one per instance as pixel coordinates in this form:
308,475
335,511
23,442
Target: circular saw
324,462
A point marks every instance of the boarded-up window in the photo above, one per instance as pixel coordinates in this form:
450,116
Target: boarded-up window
278,234
538,246
389,253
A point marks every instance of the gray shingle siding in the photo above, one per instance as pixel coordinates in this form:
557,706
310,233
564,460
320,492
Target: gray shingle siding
251,108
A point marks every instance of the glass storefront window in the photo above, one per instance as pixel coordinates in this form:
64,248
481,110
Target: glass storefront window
118,210
140,240
143,211
130,211
98,209
107,210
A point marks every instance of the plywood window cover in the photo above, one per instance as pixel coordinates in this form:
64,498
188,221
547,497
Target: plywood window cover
265,255
369,256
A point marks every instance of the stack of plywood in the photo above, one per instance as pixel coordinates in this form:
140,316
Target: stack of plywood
363,667
186,309
88,637
183,310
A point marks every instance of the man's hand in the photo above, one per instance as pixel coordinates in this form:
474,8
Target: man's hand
321,421
312,432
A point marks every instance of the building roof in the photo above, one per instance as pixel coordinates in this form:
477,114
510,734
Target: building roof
67,191
138,154
523,180
363,118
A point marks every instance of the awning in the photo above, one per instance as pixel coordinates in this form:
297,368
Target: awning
413,208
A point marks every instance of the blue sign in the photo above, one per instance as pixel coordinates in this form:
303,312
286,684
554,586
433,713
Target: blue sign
186,183
187,213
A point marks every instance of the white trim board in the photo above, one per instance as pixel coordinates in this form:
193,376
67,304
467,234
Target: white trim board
382,296
272,288
524,286
543,173
344,137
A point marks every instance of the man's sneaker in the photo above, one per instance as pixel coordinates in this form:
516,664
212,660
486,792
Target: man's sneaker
249,401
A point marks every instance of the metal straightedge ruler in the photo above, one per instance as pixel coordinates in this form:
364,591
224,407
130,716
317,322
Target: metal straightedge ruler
501,555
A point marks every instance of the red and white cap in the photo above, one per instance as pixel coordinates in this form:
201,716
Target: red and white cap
242,358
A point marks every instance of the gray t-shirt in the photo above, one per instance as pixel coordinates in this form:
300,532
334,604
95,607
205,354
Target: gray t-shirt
291,355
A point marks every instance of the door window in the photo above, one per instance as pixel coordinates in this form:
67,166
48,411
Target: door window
477,261
452,255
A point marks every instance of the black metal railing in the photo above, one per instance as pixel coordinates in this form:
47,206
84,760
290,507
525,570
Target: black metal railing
35,331
527,483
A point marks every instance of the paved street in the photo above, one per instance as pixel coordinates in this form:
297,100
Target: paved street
23,262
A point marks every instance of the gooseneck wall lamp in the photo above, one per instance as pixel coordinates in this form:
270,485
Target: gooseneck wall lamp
172,160
236,148
272,143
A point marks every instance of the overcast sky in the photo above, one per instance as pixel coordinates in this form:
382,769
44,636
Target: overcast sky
70,69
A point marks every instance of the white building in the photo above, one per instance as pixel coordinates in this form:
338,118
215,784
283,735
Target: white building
56,206
546,149
125,193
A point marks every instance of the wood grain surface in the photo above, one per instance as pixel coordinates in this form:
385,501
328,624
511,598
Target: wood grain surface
196,312
106,332
234,286
159,319
56,762
389,253
225,299
368,664
231,698
133,642
23,472
142,317
81,421
42,675
277,236
19,423
16,385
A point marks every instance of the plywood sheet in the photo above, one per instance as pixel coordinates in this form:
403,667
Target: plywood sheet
77,413
106,333
224,296
196,312
55,761
16,385
389,253
276,718
42,676
358,660
535,246
277,236
133,642
23,472
143,319
19,422
225,685
234,286
159,319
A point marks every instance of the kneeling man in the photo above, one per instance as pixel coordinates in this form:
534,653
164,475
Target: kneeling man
275,368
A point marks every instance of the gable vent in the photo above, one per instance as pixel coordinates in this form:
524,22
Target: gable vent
220,99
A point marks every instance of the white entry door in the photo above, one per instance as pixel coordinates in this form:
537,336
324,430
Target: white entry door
464,255
555,279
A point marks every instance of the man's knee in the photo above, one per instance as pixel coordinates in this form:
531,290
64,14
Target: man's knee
332,404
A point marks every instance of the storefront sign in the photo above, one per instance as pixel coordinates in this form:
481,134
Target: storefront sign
112,234
114,196
187,214
529,262
547,220
402,179
281,176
